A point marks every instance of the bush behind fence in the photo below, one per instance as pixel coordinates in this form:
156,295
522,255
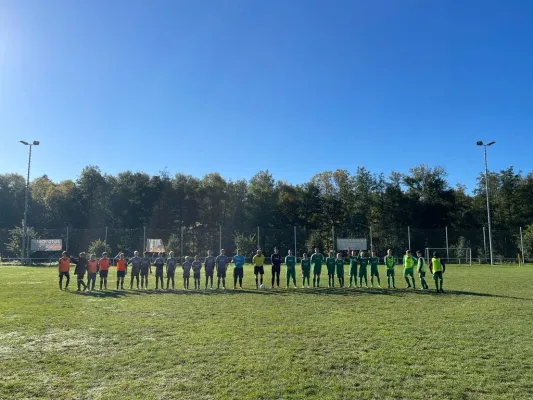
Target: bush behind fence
197,240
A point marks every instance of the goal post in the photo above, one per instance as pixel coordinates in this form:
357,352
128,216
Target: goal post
457,255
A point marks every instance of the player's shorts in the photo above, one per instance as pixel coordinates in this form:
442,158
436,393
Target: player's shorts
239,272
290,272
186,274
121,274
422,275
408,272
81,276
67,274
437,275
196,275
135,272
91,275
276,269
317,269
258,270
104,273
340,273
306,273
144,272
353,271
390,271
209,272
221,272
331,270
362,272
158,272
171,274
374,271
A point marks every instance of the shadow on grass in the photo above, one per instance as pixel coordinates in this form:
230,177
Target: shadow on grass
349,292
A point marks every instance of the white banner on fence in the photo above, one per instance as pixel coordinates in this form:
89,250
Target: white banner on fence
351,244
46,245
154,246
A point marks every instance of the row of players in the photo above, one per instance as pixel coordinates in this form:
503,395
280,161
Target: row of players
141,267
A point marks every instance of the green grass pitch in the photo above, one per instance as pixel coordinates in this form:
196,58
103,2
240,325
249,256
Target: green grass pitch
473,342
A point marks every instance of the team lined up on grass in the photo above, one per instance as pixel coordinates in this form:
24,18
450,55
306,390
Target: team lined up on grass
141,267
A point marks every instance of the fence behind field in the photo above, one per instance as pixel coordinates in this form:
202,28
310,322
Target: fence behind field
197,240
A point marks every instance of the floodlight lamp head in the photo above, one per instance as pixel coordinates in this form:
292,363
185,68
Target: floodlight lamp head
491,143
36,143
479,143
24,143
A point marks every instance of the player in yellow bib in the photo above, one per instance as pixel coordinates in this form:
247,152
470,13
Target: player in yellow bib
408,268
437,268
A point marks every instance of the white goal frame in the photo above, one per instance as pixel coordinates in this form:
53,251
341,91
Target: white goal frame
444,253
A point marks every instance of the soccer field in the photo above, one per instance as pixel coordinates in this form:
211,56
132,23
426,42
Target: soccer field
473,342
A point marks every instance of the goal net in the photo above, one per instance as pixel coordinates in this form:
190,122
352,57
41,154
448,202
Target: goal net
462,255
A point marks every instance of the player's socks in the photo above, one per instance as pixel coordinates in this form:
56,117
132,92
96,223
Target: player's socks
314,281
407,280
413,279
318,281
240,282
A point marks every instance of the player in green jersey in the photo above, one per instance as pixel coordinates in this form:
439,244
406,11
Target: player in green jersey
421,269
408,268
330,265
374,269
437,268
316,260
353,268
306,270
290,273
339,265
389,264
363,262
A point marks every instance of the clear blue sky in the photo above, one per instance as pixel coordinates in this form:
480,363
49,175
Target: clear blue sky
293,86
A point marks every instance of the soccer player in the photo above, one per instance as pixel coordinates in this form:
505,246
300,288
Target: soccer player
389,264
135,262
306,270
317,259
80,270
354,262
209,264
408,264
64,270
171,269
437,268
422,270
122,267
159,263
146,265
330,265
363,273
374,268
238,270
276,267
186,265
92,269
339,265
258,261
222,262
103,267
196,269
290,264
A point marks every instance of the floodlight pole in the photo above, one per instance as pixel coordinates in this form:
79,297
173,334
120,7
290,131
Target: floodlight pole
487,193
25,219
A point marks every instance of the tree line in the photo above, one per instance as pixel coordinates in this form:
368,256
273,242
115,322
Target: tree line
352,203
